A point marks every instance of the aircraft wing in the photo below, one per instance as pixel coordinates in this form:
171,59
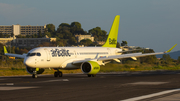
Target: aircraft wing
13,55
131,55
123,56
129,50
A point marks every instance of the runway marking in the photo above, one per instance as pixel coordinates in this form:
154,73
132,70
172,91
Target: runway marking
53,80
8,84
147,83
15,88
151,95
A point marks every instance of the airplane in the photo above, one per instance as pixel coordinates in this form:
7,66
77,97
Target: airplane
88,59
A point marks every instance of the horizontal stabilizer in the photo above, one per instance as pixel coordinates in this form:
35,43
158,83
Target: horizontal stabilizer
13,55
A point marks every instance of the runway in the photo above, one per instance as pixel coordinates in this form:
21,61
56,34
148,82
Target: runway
149,86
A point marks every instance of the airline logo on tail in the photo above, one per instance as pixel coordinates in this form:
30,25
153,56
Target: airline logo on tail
113,34
112,41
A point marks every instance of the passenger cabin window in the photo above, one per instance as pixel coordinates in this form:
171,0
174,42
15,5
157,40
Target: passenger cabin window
33,54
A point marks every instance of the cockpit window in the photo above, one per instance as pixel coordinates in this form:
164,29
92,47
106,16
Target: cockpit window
33,54
38,54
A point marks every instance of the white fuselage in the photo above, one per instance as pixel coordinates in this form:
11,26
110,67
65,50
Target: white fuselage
62,57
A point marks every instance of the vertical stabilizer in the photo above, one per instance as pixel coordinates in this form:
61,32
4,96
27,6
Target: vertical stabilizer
113,34
5,50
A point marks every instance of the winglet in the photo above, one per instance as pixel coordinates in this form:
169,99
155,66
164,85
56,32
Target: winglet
170,49
5,50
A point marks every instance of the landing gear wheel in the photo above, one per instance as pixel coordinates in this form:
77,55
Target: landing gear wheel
58,73
93,75
89,75
55,74
34,76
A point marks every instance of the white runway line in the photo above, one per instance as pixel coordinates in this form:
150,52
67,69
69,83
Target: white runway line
53,80
8,84
151,95
15,88
147,83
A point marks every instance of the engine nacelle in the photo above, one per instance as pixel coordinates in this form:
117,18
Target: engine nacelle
30,70
90,67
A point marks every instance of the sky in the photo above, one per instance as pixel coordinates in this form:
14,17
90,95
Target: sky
151,24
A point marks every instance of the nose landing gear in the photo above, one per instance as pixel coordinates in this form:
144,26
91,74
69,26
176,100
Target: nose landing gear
34,75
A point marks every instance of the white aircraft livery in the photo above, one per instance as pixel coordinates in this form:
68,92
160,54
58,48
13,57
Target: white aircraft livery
88,59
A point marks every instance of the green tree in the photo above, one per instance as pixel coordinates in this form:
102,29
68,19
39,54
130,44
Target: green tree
76,28
48,34
1,49
39,34
124,43
98,34
178,60
50,28
76,25
118,45
1,35
34,36
72,41
148,59
86,42
6,35
19,36
167,58
28,36
12,34
63,31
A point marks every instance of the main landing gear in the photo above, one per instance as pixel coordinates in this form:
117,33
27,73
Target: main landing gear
58,73
91,75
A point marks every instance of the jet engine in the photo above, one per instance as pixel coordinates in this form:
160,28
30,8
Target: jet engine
90,67
38,71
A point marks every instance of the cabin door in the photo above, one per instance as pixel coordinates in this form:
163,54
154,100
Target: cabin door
48,54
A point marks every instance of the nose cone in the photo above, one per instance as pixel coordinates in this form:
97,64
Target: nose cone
29,62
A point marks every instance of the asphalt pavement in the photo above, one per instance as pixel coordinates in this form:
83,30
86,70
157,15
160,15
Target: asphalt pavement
117,86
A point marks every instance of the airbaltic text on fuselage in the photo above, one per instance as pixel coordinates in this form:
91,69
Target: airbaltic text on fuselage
60,53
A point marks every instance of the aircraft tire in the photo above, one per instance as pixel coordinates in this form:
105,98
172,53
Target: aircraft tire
93,75
89,75
34,76
60,74
55,74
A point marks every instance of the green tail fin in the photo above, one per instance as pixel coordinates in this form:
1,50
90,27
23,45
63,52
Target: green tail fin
113,34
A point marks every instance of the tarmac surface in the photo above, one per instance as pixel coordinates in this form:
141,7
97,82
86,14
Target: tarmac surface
125,86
